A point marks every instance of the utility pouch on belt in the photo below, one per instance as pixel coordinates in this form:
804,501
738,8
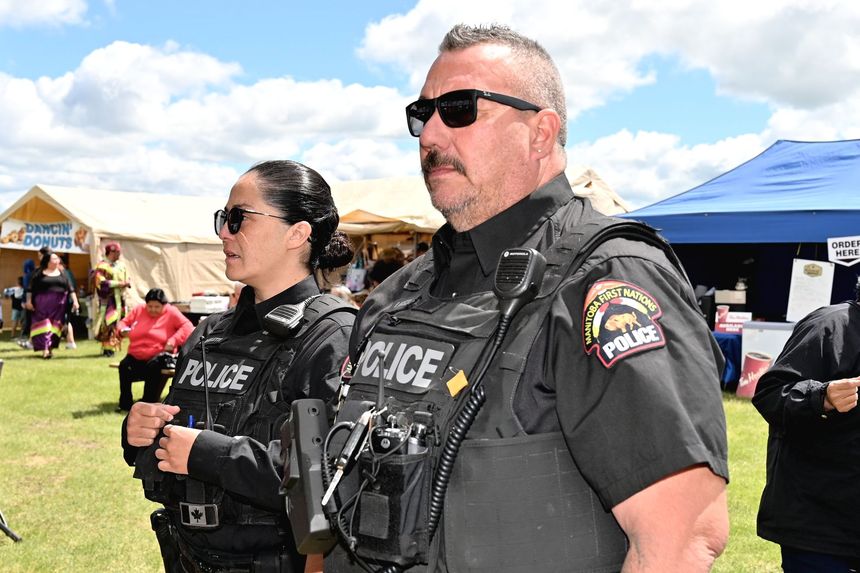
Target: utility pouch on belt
391,515
161,525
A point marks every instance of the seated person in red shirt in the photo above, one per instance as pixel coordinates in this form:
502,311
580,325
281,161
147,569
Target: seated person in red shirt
153,328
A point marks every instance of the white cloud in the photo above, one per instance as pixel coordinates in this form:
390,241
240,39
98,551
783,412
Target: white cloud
155,118
142,117
801,57
802,53
646,166
21,13
362,158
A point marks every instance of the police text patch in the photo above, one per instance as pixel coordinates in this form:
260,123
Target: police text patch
406,363
619,319
226,374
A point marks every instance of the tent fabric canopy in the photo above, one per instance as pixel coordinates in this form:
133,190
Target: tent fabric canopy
391,205
793,192
402,204
121,214
168,240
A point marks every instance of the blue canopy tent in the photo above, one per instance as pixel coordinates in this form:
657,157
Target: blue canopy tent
793,192
753,220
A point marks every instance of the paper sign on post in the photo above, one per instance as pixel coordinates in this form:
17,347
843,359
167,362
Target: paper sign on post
811,286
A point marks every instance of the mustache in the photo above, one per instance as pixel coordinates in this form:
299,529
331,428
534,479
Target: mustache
435,159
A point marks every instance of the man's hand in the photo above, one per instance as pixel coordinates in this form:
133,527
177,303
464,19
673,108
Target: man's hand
174,448
841,395
145,420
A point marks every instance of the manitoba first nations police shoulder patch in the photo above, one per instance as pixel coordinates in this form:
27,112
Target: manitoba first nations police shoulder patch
619,319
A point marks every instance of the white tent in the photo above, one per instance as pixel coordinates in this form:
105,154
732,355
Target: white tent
167,240
402,204
586,183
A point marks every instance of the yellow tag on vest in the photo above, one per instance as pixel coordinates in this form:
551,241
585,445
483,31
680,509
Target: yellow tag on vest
457,383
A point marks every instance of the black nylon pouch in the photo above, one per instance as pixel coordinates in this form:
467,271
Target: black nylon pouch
392,526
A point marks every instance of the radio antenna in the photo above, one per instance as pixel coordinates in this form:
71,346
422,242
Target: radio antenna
207,422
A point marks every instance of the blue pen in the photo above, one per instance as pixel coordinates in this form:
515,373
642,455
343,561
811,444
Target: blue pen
190,421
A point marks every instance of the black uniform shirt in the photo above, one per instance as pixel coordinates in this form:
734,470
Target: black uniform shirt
653,410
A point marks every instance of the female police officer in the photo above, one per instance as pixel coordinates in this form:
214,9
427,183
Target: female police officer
209,452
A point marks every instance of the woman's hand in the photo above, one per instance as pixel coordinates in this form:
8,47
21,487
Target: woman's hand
169,347
29,306
174,448
145,420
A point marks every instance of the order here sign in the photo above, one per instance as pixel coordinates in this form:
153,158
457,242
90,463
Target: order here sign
844,250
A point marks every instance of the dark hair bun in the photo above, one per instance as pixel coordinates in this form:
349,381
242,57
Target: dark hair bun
337,253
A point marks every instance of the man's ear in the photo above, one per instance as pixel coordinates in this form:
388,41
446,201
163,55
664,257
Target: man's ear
298,234
545,128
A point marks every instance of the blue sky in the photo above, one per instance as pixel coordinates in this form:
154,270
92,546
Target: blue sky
181,97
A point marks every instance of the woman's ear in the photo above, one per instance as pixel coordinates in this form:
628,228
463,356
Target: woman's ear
298,234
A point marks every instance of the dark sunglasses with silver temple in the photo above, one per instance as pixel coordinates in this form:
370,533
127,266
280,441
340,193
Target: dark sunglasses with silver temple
235,216
458,108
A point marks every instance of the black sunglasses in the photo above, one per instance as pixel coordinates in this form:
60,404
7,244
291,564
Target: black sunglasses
458,108
234,218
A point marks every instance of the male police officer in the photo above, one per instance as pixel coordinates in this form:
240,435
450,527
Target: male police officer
602,409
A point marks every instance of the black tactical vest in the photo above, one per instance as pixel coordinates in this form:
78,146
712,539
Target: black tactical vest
246,375
516,502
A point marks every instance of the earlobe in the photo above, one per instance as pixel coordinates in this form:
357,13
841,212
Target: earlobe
545,131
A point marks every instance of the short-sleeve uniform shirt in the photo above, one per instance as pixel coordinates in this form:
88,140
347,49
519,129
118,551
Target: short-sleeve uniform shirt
625,365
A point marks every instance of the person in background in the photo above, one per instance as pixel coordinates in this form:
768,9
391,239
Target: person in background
156,330
46,298
341,292
234,296
70,328
18,297
110,282
28,269
390,260
811,499
421,248
578,453
278,227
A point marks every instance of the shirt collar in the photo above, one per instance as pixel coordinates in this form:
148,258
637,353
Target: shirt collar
300,291
509,228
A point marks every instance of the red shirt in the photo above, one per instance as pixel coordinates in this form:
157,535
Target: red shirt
149,335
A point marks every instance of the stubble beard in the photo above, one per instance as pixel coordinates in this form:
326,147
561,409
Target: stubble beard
458,209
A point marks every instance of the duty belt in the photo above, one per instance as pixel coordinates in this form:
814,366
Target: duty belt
191,565
201,561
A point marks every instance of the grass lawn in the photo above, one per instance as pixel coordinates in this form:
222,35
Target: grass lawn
66,490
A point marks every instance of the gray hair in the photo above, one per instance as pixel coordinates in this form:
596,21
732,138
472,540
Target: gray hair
538,80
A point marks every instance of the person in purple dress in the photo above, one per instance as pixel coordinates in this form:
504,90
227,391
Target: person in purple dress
46,298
